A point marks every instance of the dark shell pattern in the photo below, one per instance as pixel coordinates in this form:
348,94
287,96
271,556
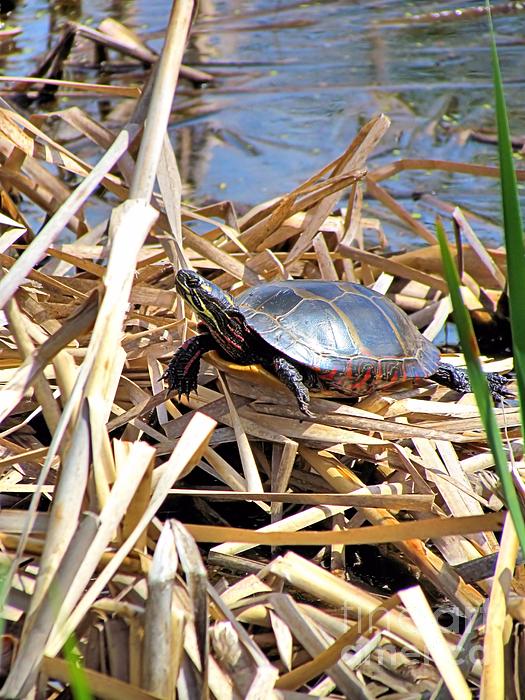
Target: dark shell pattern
353,338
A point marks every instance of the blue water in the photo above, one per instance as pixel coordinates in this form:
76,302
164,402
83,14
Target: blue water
287,99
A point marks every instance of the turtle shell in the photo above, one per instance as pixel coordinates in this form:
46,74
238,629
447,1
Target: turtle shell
354,339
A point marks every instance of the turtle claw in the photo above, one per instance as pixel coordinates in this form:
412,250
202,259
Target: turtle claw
498,387
303,398
187,390
306,411
182,384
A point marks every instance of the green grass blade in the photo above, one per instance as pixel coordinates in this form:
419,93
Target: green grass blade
512,224
480,385
78,682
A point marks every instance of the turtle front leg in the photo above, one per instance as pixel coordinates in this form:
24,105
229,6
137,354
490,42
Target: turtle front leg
183,369
292,378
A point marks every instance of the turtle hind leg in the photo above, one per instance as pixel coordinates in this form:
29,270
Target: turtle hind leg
183,369
457,379
292,378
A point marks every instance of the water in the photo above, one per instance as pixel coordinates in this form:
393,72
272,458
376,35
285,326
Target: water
295,81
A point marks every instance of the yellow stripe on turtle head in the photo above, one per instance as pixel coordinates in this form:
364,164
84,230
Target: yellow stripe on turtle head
210,302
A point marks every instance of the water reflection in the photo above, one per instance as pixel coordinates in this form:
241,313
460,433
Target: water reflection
293,83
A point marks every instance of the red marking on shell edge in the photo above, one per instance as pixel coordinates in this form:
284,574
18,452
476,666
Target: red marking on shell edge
363,383
328,376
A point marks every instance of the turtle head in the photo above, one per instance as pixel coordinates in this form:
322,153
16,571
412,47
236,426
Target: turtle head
212,305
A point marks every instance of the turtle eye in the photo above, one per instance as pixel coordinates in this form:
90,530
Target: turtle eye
193,282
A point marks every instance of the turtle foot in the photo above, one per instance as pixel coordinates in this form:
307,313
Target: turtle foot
179,382
457,379
498,387
183,370
292,378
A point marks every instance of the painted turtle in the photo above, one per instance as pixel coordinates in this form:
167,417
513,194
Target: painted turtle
338,337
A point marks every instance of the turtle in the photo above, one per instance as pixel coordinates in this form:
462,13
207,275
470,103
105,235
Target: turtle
333,336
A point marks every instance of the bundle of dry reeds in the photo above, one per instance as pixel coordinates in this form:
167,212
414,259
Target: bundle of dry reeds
102,594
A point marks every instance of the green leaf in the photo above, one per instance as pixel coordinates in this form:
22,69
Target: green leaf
480,385
512,224
78,682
